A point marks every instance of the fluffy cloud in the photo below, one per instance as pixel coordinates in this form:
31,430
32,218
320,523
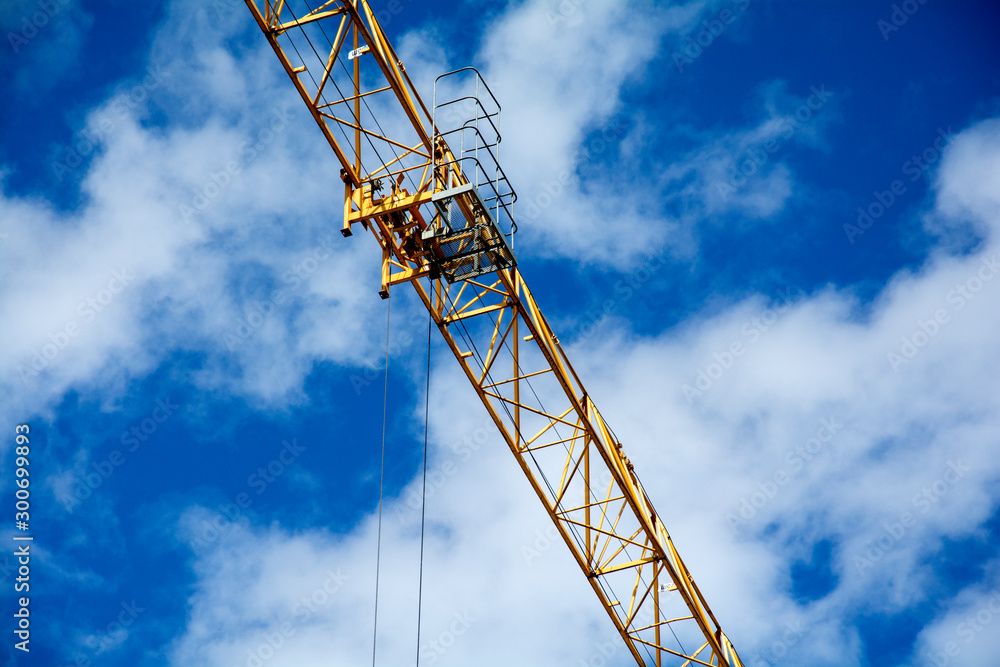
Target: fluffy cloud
184,236
965,632
187,226
491,573
818,434
814,437
743,170
969,180
561,82
815,422
41,41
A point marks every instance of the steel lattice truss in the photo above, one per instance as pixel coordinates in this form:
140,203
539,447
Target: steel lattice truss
491,323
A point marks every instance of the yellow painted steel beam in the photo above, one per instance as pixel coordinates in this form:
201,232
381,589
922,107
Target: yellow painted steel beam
497,333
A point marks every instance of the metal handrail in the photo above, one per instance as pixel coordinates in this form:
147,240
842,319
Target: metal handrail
503,193
496,197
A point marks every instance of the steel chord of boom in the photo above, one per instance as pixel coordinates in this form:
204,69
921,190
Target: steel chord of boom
442,232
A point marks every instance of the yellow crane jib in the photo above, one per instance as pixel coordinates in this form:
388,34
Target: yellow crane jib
428,184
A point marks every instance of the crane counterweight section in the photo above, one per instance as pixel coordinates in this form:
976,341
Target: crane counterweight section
446,227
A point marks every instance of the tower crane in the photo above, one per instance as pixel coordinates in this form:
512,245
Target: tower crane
429,187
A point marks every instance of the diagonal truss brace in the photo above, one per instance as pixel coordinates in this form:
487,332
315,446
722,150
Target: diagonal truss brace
497,333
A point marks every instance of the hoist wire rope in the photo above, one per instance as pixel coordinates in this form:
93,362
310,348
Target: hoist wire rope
423,492
357,120
291,41
467,336
381,479
364,100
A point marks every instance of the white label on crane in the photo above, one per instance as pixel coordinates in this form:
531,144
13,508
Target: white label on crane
357,52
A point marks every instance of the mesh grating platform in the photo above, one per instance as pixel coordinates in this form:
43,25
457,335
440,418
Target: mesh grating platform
467,243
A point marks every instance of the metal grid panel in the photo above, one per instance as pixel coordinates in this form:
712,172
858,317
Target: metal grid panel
472,252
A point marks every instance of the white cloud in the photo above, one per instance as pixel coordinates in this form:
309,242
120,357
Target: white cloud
560,77
562,73
905,421
743,170
968,181
172,219
965,632
480,591
42,41
808,432
910,465
228,192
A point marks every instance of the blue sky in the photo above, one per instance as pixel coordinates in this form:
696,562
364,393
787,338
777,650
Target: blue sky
765,231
